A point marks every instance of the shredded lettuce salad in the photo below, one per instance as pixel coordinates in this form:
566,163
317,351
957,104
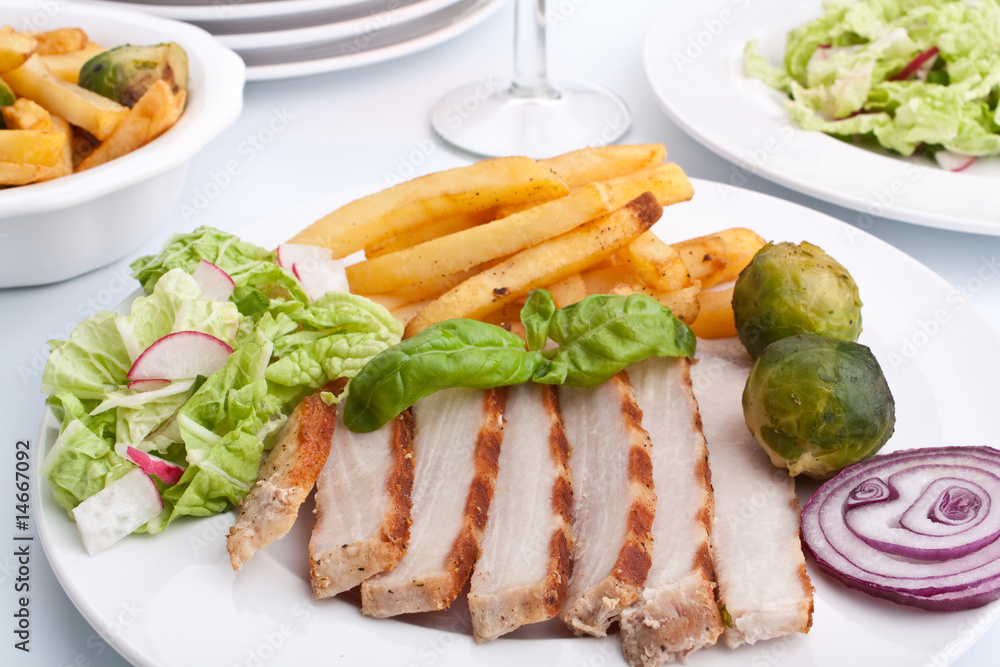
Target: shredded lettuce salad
284,346
915,75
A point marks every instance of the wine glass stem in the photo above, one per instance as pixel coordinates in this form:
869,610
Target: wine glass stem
530,71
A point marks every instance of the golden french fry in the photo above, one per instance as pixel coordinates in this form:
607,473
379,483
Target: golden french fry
15,49
468,248
656,263
62,40
24,114
67,66
81,107
405,313
741,245
543,264
684,303
424,291
31,146
20,173
603,279
605,162
568,290
428,232
477,187
155,112
705,258
668,182
65,165
715,320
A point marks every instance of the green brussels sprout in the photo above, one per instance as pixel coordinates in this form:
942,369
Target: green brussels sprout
817,404
124,73
790,289
7,98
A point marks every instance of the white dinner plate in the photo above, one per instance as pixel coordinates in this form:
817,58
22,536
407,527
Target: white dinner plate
240,11
173,599
694,60
319,32
376,45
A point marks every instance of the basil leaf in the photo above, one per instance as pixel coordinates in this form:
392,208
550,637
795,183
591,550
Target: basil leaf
602,334
538,310
454,353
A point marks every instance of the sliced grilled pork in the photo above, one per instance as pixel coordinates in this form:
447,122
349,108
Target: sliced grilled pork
456,442
613,502
676,612
758,557
287,475
362,506
521,575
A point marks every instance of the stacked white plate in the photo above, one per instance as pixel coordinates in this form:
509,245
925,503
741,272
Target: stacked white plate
288,38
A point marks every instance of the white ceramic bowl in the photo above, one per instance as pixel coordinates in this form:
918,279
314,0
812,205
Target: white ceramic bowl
61,228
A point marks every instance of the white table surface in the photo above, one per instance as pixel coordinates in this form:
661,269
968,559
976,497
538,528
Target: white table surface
350,129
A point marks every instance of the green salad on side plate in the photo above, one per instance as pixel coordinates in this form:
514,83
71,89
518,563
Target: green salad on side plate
915,76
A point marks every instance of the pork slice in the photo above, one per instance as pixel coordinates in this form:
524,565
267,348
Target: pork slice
362,506
613,503
763,586
456,442
287,475
522,573
676,612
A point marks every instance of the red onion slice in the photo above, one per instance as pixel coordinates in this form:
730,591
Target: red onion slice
917,527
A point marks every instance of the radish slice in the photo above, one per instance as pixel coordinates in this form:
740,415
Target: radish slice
319,276
919,527
117,510
915,64
169,472
148,385
183,354
290,254
215,283
954,161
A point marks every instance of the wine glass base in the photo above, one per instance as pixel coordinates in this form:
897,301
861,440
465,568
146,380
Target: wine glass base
479,119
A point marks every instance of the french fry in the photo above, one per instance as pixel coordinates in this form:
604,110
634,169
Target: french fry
15,49
65,165
422,291
656,263
405,313
67,66
705,258
668,182
477,187
543,264
155,112
20,173
25,114
684,303
428,232
568,290
603,279
81,107
463,250
62,40
31,147
741,245
605,162
715,319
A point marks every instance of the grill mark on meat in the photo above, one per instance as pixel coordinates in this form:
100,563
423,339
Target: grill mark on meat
436,587
595,598
676,613
516,583
343,560
287,475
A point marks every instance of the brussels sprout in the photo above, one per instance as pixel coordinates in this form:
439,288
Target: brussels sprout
124,73
6,99
790,289
817,404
